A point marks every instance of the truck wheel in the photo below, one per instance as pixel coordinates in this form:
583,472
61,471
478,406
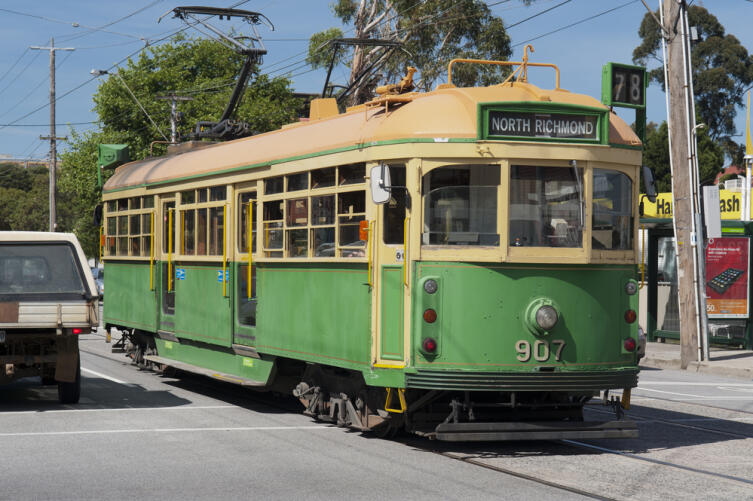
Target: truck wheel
69,393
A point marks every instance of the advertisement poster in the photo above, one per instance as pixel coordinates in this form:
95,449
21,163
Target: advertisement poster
727,277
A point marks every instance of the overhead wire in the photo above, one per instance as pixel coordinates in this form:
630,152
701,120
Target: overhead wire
58,65
100,28
36,55
8,71
59,21
589,18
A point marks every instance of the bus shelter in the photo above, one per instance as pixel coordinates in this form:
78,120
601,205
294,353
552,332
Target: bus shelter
727,280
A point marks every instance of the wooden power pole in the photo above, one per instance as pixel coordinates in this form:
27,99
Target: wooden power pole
684,182
52,137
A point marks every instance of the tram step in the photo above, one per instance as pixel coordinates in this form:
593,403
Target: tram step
539,430
229,378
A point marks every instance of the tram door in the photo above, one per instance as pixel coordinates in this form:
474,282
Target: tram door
166,311
389,292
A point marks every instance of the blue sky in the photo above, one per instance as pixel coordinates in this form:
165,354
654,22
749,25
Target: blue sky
579,50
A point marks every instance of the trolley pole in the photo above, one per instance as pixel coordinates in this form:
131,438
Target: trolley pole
686,211
52,137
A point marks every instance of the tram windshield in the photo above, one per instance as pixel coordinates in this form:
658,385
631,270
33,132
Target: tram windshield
612,211
460,206
546,206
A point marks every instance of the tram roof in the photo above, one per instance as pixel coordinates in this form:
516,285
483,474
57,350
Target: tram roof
449,112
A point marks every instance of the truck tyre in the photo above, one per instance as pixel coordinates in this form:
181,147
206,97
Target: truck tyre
69,393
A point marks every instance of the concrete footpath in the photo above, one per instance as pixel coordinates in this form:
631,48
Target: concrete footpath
722,362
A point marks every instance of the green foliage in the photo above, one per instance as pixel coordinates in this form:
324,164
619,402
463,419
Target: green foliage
202,69
24,200
14,176
433,32
320,54
722,69
656,156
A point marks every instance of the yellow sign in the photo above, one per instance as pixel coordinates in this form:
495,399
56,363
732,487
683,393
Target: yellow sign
729,205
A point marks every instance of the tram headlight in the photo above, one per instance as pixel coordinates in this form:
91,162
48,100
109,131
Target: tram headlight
546,317
631,287
541,316
430,286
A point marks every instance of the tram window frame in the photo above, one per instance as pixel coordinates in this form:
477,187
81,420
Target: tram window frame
168,205
250,196
312,223
468,235
606,236
202,241
127,229
560,225
395,209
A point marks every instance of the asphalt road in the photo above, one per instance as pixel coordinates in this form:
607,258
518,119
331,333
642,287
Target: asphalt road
137,434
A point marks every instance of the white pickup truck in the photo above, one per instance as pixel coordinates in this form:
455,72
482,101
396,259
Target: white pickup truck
48,297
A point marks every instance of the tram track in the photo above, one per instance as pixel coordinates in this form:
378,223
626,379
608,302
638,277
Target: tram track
583,445
683,425
517,474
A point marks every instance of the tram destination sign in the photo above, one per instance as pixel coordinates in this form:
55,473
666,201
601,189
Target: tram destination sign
537,125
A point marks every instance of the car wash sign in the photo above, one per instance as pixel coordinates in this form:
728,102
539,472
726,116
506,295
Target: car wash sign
542,124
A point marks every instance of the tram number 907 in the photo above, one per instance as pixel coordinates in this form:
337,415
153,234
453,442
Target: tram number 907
540,351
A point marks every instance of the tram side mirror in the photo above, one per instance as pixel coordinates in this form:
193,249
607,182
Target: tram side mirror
649,185
380,184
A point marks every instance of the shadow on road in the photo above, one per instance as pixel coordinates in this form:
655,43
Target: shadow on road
96,393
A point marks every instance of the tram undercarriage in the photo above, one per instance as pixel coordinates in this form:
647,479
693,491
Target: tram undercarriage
450,415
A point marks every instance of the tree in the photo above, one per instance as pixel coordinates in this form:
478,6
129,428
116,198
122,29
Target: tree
656,156
722,70
24,200
200,68
432,33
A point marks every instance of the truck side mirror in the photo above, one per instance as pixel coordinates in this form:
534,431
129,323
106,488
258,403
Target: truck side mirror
649,184
380,184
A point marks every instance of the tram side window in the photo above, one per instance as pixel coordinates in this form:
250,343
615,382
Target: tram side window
323,224
546,206
168,214
394,209
272,228
202,221
245,199
297,216
128,227
612,210
351,211
460,205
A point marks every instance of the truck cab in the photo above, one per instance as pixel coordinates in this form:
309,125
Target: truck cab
48,298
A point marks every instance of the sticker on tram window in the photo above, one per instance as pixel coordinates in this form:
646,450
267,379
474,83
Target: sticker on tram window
540,350
219,276
399,255
180,273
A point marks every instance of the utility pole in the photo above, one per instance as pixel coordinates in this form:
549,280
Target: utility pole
686,211
52,137
174,98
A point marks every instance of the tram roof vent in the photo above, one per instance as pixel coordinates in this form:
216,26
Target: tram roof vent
323,107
